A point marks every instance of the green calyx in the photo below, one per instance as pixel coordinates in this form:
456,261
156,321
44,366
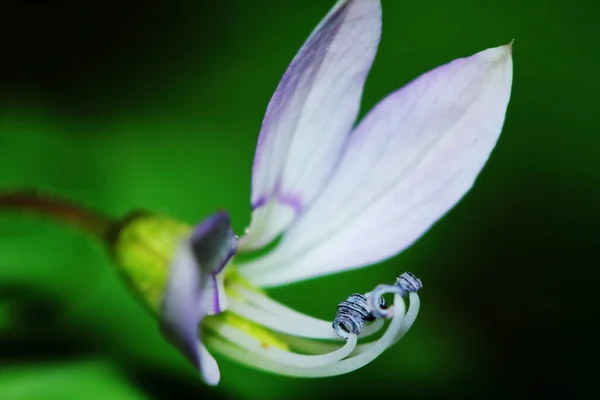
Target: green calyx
143,246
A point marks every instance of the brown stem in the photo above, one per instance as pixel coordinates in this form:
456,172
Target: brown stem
64,211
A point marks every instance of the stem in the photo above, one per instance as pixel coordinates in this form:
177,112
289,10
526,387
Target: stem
63,211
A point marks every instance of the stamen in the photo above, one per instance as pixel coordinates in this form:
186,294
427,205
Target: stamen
406,283
398,326
267,304
316,330
409,282
291,359
382,305
310,346
301,356
352,314
263,310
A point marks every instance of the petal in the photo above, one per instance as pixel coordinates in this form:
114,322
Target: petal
193,289
182,310
310,116
214,243
210,369
411,160
213,294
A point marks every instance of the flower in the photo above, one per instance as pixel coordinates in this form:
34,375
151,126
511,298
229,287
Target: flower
327,196
339,198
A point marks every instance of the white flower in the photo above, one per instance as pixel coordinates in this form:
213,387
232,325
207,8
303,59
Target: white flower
341,197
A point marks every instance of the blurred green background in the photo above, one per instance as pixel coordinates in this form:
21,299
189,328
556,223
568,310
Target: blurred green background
158,104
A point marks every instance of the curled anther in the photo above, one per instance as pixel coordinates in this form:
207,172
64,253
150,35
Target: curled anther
405,284
382,305
351,315
408,282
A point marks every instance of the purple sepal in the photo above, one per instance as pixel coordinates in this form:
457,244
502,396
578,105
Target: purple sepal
197,262
181,309
214,243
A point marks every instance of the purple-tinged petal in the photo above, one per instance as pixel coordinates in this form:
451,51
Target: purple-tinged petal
410,160
182,310
213,251
195,289
210,369
214,243
310,116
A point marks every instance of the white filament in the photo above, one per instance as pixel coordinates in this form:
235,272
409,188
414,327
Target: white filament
249,350
316,347
290,325
289,321
254,345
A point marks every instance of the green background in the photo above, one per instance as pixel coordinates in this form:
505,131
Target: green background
158,105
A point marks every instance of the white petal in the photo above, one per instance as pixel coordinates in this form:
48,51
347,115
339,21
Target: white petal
310,116
411,160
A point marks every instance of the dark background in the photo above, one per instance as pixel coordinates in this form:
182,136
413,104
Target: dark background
158,104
